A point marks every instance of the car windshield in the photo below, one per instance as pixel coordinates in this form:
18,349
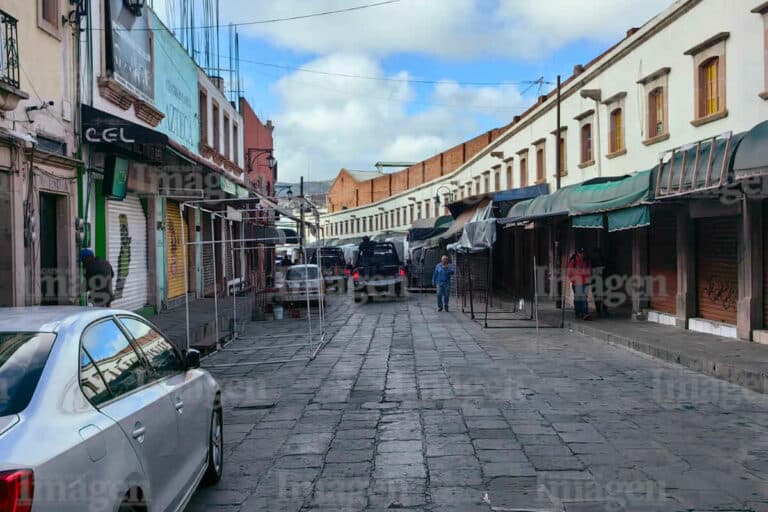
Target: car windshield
301,273
22,358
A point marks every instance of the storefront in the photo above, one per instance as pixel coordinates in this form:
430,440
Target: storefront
662,260
174,251
717,287
128,252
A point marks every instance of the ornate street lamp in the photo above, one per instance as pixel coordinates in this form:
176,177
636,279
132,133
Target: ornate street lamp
437,194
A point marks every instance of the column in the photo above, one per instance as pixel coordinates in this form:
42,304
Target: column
686,267
749,310
640,273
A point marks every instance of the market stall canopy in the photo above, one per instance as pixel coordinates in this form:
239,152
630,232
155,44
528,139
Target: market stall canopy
751,157
464,217
479,234
697,167
502,199
421,229
592,203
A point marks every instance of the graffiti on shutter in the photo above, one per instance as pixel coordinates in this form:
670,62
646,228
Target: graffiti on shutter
716,269
127,252
174,250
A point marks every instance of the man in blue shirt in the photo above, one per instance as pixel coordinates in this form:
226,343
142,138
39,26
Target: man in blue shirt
441,278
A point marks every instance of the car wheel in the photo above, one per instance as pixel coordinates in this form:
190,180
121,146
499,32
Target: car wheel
215,450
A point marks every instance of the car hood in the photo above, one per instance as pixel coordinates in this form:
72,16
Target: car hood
6,422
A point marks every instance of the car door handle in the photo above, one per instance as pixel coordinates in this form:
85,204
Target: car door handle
139,431
179,404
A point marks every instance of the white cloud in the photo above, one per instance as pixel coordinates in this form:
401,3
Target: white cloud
327,123
453,29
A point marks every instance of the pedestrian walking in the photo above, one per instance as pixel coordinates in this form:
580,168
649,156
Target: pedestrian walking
98,278
441,279
579,272
597,282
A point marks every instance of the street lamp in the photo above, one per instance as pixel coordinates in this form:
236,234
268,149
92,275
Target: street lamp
254,153
449,194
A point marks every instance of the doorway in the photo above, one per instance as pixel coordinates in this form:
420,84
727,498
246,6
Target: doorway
49,249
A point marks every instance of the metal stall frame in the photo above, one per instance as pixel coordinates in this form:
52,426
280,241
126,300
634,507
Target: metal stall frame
314,345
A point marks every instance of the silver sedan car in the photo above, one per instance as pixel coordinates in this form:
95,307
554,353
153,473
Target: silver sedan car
100,412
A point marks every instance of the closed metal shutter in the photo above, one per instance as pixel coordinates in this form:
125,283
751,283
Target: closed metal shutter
127,252
663,261
716,269
174,250
208,282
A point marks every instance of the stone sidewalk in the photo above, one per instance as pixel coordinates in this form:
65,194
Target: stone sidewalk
739,362
406,408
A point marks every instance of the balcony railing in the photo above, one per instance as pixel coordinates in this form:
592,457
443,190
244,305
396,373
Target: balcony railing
9,50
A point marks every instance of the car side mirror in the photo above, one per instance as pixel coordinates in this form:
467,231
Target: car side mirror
192,359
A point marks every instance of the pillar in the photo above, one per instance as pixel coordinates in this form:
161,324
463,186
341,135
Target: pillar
749,310
638,281
686,267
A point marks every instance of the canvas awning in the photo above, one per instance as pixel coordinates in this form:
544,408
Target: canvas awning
697,167
751,158
463,218
589,202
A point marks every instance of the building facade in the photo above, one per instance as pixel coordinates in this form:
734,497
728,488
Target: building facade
691,77
39,161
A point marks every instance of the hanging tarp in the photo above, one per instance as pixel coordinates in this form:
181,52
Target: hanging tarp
751,158
629,218
465,216
476,236
589,221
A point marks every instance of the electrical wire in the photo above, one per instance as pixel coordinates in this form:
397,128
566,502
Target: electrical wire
271,20
385,79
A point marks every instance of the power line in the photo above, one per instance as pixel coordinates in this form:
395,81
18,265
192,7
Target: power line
387,79
275,20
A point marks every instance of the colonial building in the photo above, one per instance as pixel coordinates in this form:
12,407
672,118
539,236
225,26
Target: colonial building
38,154
674,98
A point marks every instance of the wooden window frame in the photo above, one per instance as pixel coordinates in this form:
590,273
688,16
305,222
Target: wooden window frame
762,10
227,137
702,54
616,141
509,176
236,144
524,170
51,27
202,99
586,143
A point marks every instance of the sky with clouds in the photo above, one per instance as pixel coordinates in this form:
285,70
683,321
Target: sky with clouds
483,54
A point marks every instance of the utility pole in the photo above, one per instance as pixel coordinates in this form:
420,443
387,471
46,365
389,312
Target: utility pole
301,221
558,163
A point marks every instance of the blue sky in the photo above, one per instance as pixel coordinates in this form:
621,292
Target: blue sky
326,122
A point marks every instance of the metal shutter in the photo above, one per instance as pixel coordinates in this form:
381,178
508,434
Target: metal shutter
174,250
127,252
716,269
663,260
208,282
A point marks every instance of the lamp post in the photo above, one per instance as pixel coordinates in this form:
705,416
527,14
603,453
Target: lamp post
449,194
251,156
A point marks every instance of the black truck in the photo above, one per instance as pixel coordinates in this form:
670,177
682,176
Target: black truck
378,272
333,266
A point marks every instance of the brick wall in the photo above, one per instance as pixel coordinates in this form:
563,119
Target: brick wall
453,158
257,135
433,167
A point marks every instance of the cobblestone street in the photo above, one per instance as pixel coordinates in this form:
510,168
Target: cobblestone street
408,408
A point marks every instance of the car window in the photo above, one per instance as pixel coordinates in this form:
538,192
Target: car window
22,359
299,273
162,356
114,359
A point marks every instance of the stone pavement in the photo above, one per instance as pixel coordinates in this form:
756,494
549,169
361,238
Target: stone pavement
407,408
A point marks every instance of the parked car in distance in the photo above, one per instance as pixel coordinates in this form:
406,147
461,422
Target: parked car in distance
100,412
378,272
303,283
334,268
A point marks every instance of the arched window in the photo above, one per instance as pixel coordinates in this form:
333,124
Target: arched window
617,131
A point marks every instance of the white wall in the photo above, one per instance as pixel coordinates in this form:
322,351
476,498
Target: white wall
660,43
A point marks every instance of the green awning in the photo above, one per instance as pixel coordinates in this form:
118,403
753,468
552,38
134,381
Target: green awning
629,218
590,221
751,158
721,162
445,220
586,201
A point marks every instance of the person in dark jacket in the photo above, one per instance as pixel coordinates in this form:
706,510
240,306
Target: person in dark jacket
98,278
441,279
